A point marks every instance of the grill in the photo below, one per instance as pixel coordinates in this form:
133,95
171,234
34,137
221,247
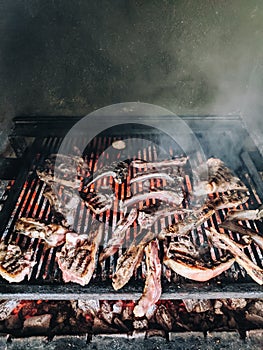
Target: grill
33,139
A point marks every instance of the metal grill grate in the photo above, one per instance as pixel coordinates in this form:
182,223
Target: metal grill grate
46,278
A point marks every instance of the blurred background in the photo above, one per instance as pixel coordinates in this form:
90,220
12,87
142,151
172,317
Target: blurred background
64,57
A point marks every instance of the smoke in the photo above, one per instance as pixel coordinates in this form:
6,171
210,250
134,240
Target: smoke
192,57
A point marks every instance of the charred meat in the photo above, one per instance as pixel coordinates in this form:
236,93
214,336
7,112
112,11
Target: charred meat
148,215
118,170
77,257
141,177
152,288
118,235
130,260
161,164
244,231
221,240
189,261
230,199
65,207
191,221
256,214
216,177
195,217
170,195
98,202
61,169
15,264
52,235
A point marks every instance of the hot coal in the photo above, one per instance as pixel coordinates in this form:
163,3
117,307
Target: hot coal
71,317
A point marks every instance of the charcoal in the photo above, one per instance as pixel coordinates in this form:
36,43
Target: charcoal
217,307
13,322
37,324
232,323
140,324
235,304
256,308
89,306
197,305
127,314
6,308
254,319
120,325
105,312
155,333
164,318
100,327
117,307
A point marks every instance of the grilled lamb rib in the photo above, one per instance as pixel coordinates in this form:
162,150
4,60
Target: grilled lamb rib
194,263
256,214
195,218
148,215
118,170
15,264
130,260
220,178
152,288
244,231
118,235
161,164
174,196
98,202
52,235
64,210
77,257
141,177
221,240
63,169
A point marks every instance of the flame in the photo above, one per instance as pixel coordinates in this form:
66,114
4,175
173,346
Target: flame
31,311
88,317
20,306
128,303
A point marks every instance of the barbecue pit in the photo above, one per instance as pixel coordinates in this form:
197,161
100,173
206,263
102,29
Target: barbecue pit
219,136
34,138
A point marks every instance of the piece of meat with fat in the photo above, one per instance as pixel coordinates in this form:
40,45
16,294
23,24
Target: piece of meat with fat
51,179
222,241
154,175
98,202
52,235
215,176
256,214
128,262
77,257
180,161
118,170
173,196
244,231
193,262
195,217
62,169
152,288
118,235
64,207
148,215
15,264
189,222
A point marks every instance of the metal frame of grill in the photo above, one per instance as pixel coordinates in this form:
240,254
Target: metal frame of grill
34,137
